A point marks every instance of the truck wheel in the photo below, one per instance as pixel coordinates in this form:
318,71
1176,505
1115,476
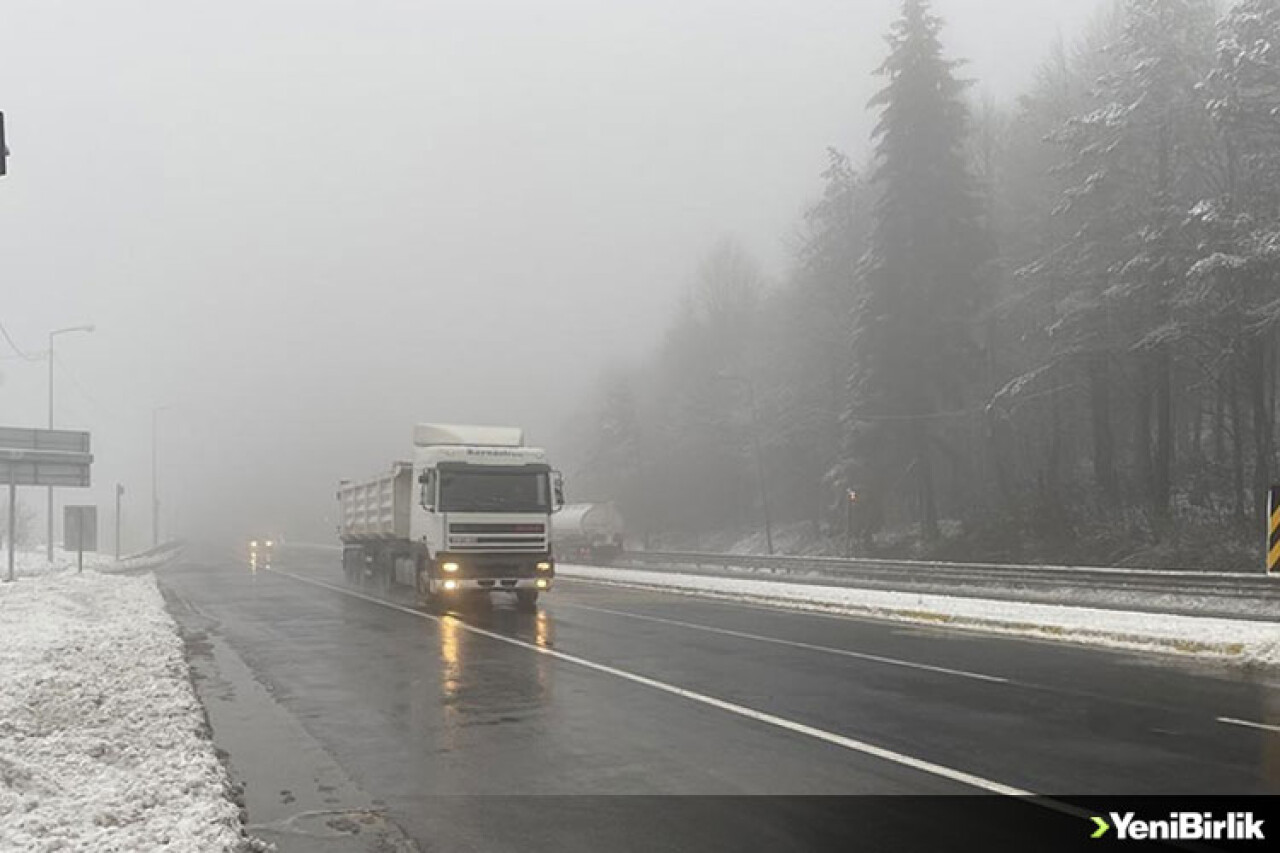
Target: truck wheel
527,599
353,561
426,601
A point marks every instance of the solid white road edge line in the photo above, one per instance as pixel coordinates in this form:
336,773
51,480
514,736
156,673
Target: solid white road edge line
793,643
1231,721
849,743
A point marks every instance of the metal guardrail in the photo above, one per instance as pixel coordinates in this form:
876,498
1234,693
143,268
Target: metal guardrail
151,556
913,575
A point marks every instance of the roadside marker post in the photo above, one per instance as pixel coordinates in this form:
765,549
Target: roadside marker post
1273,531
80,530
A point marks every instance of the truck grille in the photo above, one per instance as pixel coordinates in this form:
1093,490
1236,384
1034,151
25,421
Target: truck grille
496,527
497,536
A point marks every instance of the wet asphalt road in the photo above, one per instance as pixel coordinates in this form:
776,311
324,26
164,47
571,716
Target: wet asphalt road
448,728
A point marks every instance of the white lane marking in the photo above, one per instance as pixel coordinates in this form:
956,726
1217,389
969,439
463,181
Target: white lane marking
793,643
1231,721
731,707
1024,684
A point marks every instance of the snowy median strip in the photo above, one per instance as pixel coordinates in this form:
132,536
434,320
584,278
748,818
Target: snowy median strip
102,739
1254,642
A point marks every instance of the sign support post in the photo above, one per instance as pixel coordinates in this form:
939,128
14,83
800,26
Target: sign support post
41,457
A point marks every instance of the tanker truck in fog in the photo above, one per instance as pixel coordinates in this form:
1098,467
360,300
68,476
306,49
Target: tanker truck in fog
468,514
588,532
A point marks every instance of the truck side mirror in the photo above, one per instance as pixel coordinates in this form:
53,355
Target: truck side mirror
427,497
558,489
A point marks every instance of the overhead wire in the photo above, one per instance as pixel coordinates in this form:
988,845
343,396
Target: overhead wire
17,349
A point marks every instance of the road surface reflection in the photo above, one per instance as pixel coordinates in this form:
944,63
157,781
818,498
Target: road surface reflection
485,682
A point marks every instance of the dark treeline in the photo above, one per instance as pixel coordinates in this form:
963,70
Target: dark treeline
1048,331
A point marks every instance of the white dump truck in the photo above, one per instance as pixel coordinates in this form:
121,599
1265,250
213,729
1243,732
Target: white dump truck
587,532
470,513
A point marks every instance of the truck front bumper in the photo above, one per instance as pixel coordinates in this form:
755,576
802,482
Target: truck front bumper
455,586
454,573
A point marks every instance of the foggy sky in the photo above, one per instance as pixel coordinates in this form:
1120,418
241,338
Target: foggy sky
304,226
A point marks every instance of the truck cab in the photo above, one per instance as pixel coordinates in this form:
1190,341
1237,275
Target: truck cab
470,514
483,515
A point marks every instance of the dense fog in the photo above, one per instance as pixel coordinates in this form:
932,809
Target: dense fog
299,228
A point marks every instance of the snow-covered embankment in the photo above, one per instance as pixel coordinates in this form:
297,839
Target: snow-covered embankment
1243,640
102,743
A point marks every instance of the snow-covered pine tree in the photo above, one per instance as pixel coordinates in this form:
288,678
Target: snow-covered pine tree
1133,162
913,345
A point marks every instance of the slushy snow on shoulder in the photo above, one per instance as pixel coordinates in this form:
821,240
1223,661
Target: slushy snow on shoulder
102,738
1255,642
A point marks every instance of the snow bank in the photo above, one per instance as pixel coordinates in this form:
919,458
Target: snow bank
1250,641
102,743
28,563
34,563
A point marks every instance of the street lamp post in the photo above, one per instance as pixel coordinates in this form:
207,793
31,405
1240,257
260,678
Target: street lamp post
155,477
755,445
52,335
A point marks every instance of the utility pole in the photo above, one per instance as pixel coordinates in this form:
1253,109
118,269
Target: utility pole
119,494
52,335
13,516
155,478
155,488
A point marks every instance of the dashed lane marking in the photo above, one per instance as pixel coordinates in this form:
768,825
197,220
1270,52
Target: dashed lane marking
792,643
1231,721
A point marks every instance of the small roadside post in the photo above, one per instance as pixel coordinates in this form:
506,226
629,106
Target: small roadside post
1273,531
119,494
80,525
848,521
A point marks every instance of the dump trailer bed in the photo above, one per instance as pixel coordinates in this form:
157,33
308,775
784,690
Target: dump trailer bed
377,509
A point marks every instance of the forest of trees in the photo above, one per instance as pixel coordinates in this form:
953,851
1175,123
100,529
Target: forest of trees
1046,332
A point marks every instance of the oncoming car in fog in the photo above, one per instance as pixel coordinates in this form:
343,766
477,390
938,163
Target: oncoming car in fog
260,553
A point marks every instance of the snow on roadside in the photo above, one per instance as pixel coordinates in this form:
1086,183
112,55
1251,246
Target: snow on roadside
34,563
102,743
1250,641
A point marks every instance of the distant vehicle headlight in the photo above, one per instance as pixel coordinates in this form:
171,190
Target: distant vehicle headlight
253,544
449,567
450,584
544,567
269,543
541,583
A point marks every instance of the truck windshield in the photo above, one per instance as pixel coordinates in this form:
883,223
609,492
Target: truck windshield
478,491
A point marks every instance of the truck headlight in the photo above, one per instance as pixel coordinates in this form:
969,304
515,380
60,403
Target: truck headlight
544,567
450,585
448,567
541,583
